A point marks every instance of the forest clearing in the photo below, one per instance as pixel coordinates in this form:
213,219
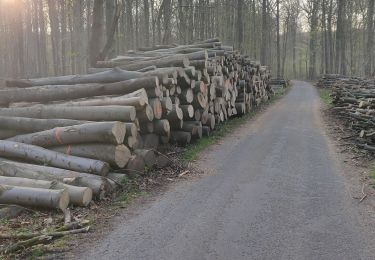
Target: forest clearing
170,129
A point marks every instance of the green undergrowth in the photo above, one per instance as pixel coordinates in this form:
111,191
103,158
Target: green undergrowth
192,151
131,190
325,96
372,175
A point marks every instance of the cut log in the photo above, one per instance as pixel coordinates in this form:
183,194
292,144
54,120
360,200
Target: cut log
150,141
39,172
148,156
112,75
210,121
188,111
146,114
206,130
164,139
200,100
79,196
37,154
156,107
119,178
204,116
29,125
135,166
162,127
200,87
180,137
241,108
130,141
199,64
194,127
131,129
197,115
90,113
187,96
116,155
138,143
166,104
168,61
65,92
101,132
162,161
34,197
175,114
147,128
8,133
137,102
176,125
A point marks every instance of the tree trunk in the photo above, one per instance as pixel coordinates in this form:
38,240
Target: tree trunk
370,38
55,39
263,48
146,10
96,31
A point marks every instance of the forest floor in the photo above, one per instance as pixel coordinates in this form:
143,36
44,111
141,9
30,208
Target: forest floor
278,187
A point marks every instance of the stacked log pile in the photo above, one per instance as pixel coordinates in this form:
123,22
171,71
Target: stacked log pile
353,99
278,84
327,80
67,139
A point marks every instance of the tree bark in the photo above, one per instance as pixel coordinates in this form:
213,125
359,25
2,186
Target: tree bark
370,38
96,132
90,113
40,172
34,197
79,196
96,31
40,155
29,125
116,155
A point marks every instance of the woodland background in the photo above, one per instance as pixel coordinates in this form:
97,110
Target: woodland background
297,39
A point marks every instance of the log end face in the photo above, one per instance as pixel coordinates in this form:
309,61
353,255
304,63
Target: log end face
86,197
64,200
119,132
122,156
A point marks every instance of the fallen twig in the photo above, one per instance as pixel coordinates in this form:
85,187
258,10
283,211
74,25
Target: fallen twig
41,239
364,194
183,173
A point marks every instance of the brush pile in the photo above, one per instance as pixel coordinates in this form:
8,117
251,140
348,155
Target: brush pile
68,139
354,102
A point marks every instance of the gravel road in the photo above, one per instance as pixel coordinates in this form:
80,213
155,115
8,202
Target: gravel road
274,191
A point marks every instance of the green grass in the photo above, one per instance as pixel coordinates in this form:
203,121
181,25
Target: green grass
192,151
130,192
325,96
372,175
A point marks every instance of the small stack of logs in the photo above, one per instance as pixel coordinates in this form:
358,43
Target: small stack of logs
353,99
277,84
327,80
68,139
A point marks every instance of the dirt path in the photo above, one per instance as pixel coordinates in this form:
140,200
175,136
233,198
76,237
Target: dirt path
274,191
